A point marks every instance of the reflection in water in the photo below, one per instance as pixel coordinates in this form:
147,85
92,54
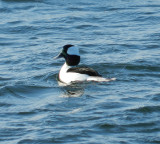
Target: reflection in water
73,90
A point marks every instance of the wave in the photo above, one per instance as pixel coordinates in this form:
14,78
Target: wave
145,109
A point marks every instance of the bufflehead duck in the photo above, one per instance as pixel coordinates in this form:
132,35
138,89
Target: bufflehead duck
70,73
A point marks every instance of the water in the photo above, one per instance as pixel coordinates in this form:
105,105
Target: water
117,38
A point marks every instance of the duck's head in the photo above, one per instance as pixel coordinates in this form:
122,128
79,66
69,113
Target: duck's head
71,55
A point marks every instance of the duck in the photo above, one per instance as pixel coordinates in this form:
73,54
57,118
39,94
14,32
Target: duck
70,72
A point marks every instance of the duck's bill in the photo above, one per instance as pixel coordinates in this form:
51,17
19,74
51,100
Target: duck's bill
58,56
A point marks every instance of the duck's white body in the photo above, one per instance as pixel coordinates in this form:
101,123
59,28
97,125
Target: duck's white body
68,77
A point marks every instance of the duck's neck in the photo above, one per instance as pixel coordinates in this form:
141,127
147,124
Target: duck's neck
65,67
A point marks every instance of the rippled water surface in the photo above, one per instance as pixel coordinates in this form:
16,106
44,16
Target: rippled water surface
117,38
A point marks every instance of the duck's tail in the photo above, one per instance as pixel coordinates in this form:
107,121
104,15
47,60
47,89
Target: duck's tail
100,79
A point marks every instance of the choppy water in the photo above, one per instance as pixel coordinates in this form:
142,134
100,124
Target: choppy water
117,38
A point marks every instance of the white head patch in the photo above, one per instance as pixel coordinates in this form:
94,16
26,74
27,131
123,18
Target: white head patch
73,51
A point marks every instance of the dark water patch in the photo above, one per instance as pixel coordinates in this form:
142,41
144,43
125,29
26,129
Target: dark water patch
84,3
107,126
149,130
148,5
33,38
141,125
3,104
111,128
26,141
26,7
154,46
110,9
146,109
47,141
156,97
97,32
14,22
43,34
154,141
151,19
27,113
142,67
7,43
5,78
156,37
24,112
71,19
112,105
5,10
86,27
75,8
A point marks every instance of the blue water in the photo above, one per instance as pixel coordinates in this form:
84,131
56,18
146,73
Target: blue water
117,38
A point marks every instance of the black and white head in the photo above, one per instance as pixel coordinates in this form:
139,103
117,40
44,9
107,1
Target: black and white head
71,55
